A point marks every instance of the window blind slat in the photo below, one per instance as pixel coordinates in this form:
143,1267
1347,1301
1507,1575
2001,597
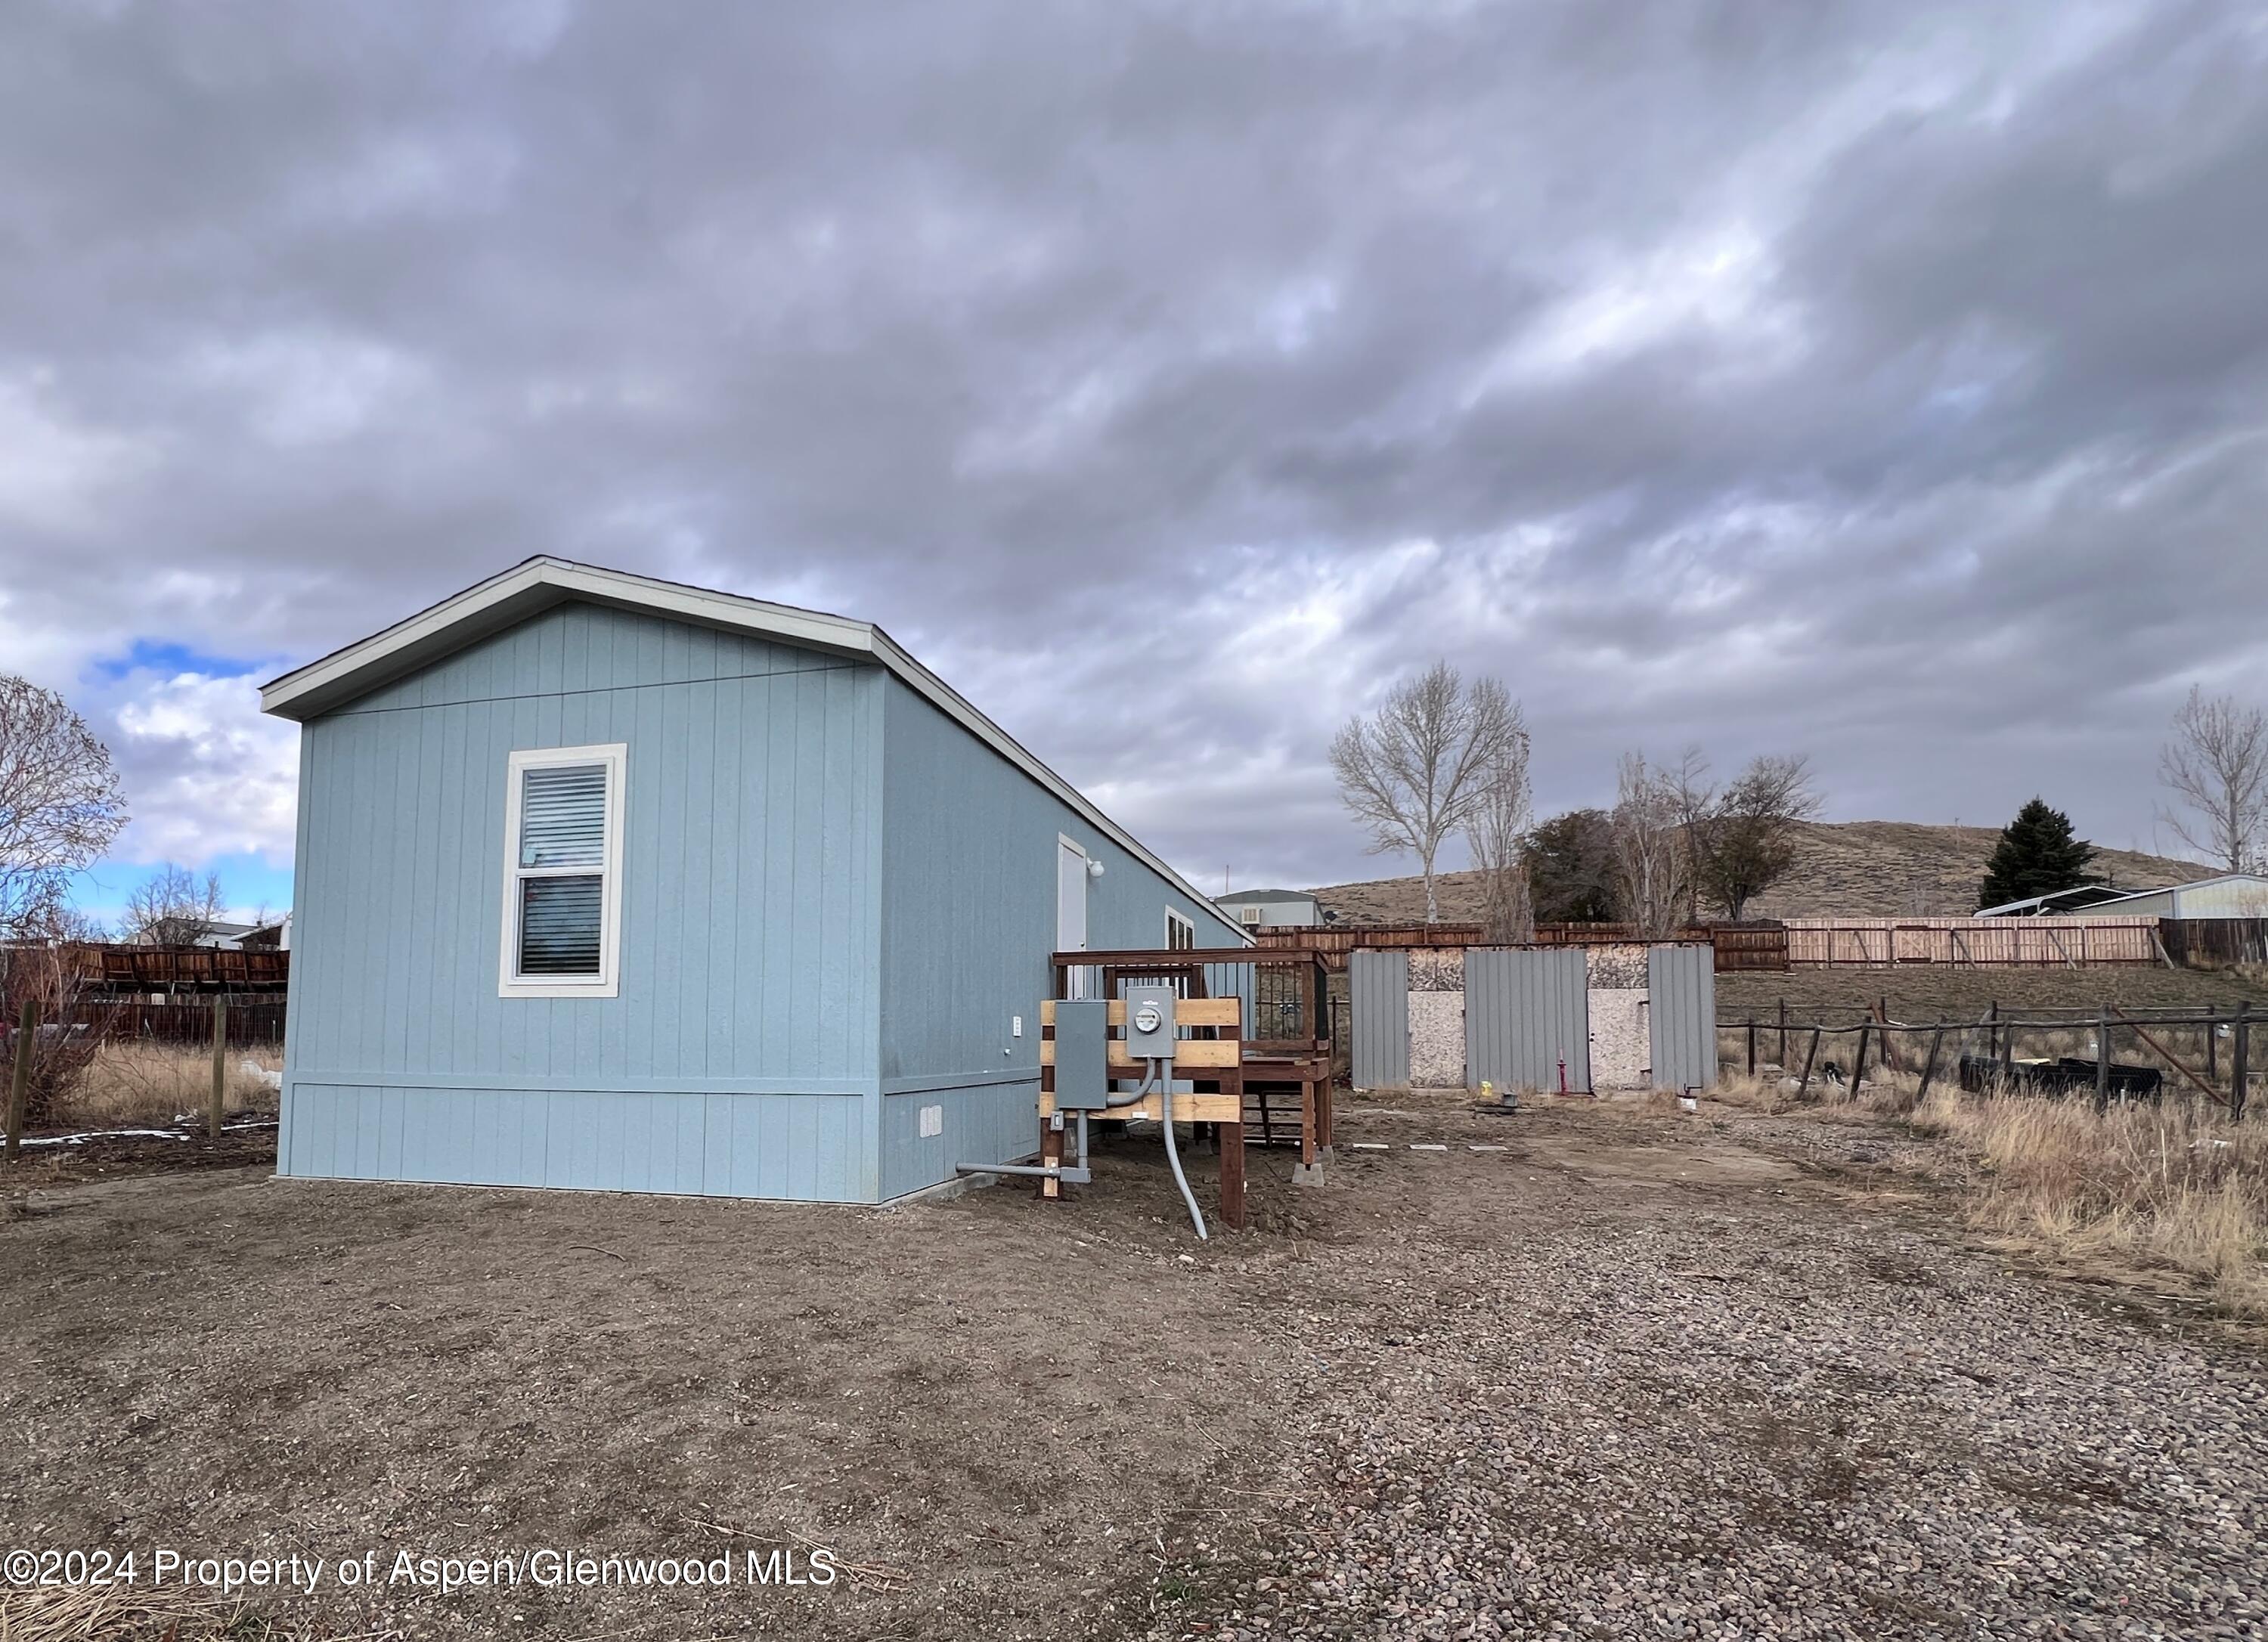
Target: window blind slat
562,821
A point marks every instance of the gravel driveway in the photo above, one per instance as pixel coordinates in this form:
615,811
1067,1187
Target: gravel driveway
1705,1382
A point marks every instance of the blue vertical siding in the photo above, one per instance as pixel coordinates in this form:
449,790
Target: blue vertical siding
969,918
739,1055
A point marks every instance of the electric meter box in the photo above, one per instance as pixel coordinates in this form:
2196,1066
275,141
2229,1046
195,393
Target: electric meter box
1082,1056
1150,1022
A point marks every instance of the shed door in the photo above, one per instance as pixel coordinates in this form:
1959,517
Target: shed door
1528,1016
1682,988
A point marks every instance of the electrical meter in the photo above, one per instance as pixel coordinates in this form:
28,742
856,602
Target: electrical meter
1150,1022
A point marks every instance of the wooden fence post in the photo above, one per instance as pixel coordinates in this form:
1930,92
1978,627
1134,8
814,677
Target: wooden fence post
1929,1066
1782,1061
2239,1061
220,1066
1858,1061
2101,1058
1810,1054
1752,1046
1992,1030
2212,1048
20,1082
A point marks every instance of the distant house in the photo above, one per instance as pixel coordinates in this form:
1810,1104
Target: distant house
228,936
1265,908
612,883
275,937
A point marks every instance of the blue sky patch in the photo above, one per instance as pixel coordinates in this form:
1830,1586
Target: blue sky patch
153,655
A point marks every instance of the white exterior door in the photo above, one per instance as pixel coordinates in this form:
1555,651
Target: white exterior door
1070,906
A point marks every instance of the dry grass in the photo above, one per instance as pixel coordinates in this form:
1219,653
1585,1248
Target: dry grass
2176,1188
2133,1191
117,1612
140,1085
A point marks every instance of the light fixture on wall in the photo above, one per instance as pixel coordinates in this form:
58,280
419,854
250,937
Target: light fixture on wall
1095,869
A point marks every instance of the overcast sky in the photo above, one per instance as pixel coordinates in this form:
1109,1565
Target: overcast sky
1882,382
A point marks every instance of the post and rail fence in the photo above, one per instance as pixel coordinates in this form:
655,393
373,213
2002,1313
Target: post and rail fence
2215,1064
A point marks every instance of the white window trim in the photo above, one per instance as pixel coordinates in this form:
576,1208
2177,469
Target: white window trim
1185,922
614,757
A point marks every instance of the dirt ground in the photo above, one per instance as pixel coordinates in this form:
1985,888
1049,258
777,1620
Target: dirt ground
1008,1419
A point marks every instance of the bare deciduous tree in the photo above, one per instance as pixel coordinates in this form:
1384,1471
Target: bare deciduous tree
1744,842
39,967
59,801
1498,834
1412,772
1650,857
174,907
2217,767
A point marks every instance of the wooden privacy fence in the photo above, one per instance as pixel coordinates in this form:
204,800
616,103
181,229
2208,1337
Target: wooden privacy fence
1335,941
251,1023
122,969
2210,942
1737,946
2038,943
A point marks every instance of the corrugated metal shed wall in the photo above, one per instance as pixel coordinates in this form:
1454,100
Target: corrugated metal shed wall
1681,1033
1377,990
1525,1010
740,1056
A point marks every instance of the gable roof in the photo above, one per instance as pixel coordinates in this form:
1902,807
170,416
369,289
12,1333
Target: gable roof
536,585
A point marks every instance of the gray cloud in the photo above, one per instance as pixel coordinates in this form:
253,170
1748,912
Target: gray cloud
1882,383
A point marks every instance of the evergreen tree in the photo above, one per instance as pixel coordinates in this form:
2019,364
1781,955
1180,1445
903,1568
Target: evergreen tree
2037,855
1570,868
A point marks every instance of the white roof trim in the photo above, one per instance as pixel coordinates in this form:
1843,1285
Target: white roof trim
538,583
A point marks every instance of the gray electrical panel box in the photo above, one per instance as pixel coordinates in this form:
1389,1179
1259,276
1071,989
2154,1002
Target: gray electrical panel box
1150,1022
1082,1056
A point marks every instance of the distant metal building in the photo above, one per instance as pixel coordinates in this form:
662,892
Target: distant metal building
2226,896
1265,908
607,882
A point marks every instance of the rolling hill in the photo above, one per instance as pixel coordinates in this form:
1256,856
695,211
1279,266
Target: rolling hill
1843,869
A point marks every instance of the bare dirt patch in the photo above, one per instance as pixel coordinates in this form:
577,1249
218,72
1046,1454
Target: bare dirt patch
1629,1369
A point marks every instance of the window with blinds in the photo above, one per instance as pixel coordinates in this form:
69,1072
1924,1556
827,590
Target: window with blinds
563,871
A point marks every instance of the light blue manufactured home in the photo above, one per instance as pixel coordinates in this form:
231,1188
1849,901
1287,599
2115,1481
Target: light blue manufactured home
606,882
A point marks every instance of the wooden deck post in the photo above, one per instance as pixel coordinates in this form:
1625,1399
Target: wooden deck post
1232,1160
19,1080
220,1066
1051,1156
1048,1134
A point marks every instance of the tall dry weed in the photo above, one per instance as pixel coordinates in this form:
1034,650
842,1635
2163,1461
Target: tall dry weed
2176,1187
136,1084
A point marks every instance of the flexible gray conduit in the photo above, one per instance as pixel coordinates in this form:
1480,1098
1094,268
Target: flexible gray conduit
1173,1157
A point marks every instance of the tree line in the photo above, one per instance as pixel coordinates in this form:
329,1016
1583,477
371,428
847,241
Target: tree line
1443,757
